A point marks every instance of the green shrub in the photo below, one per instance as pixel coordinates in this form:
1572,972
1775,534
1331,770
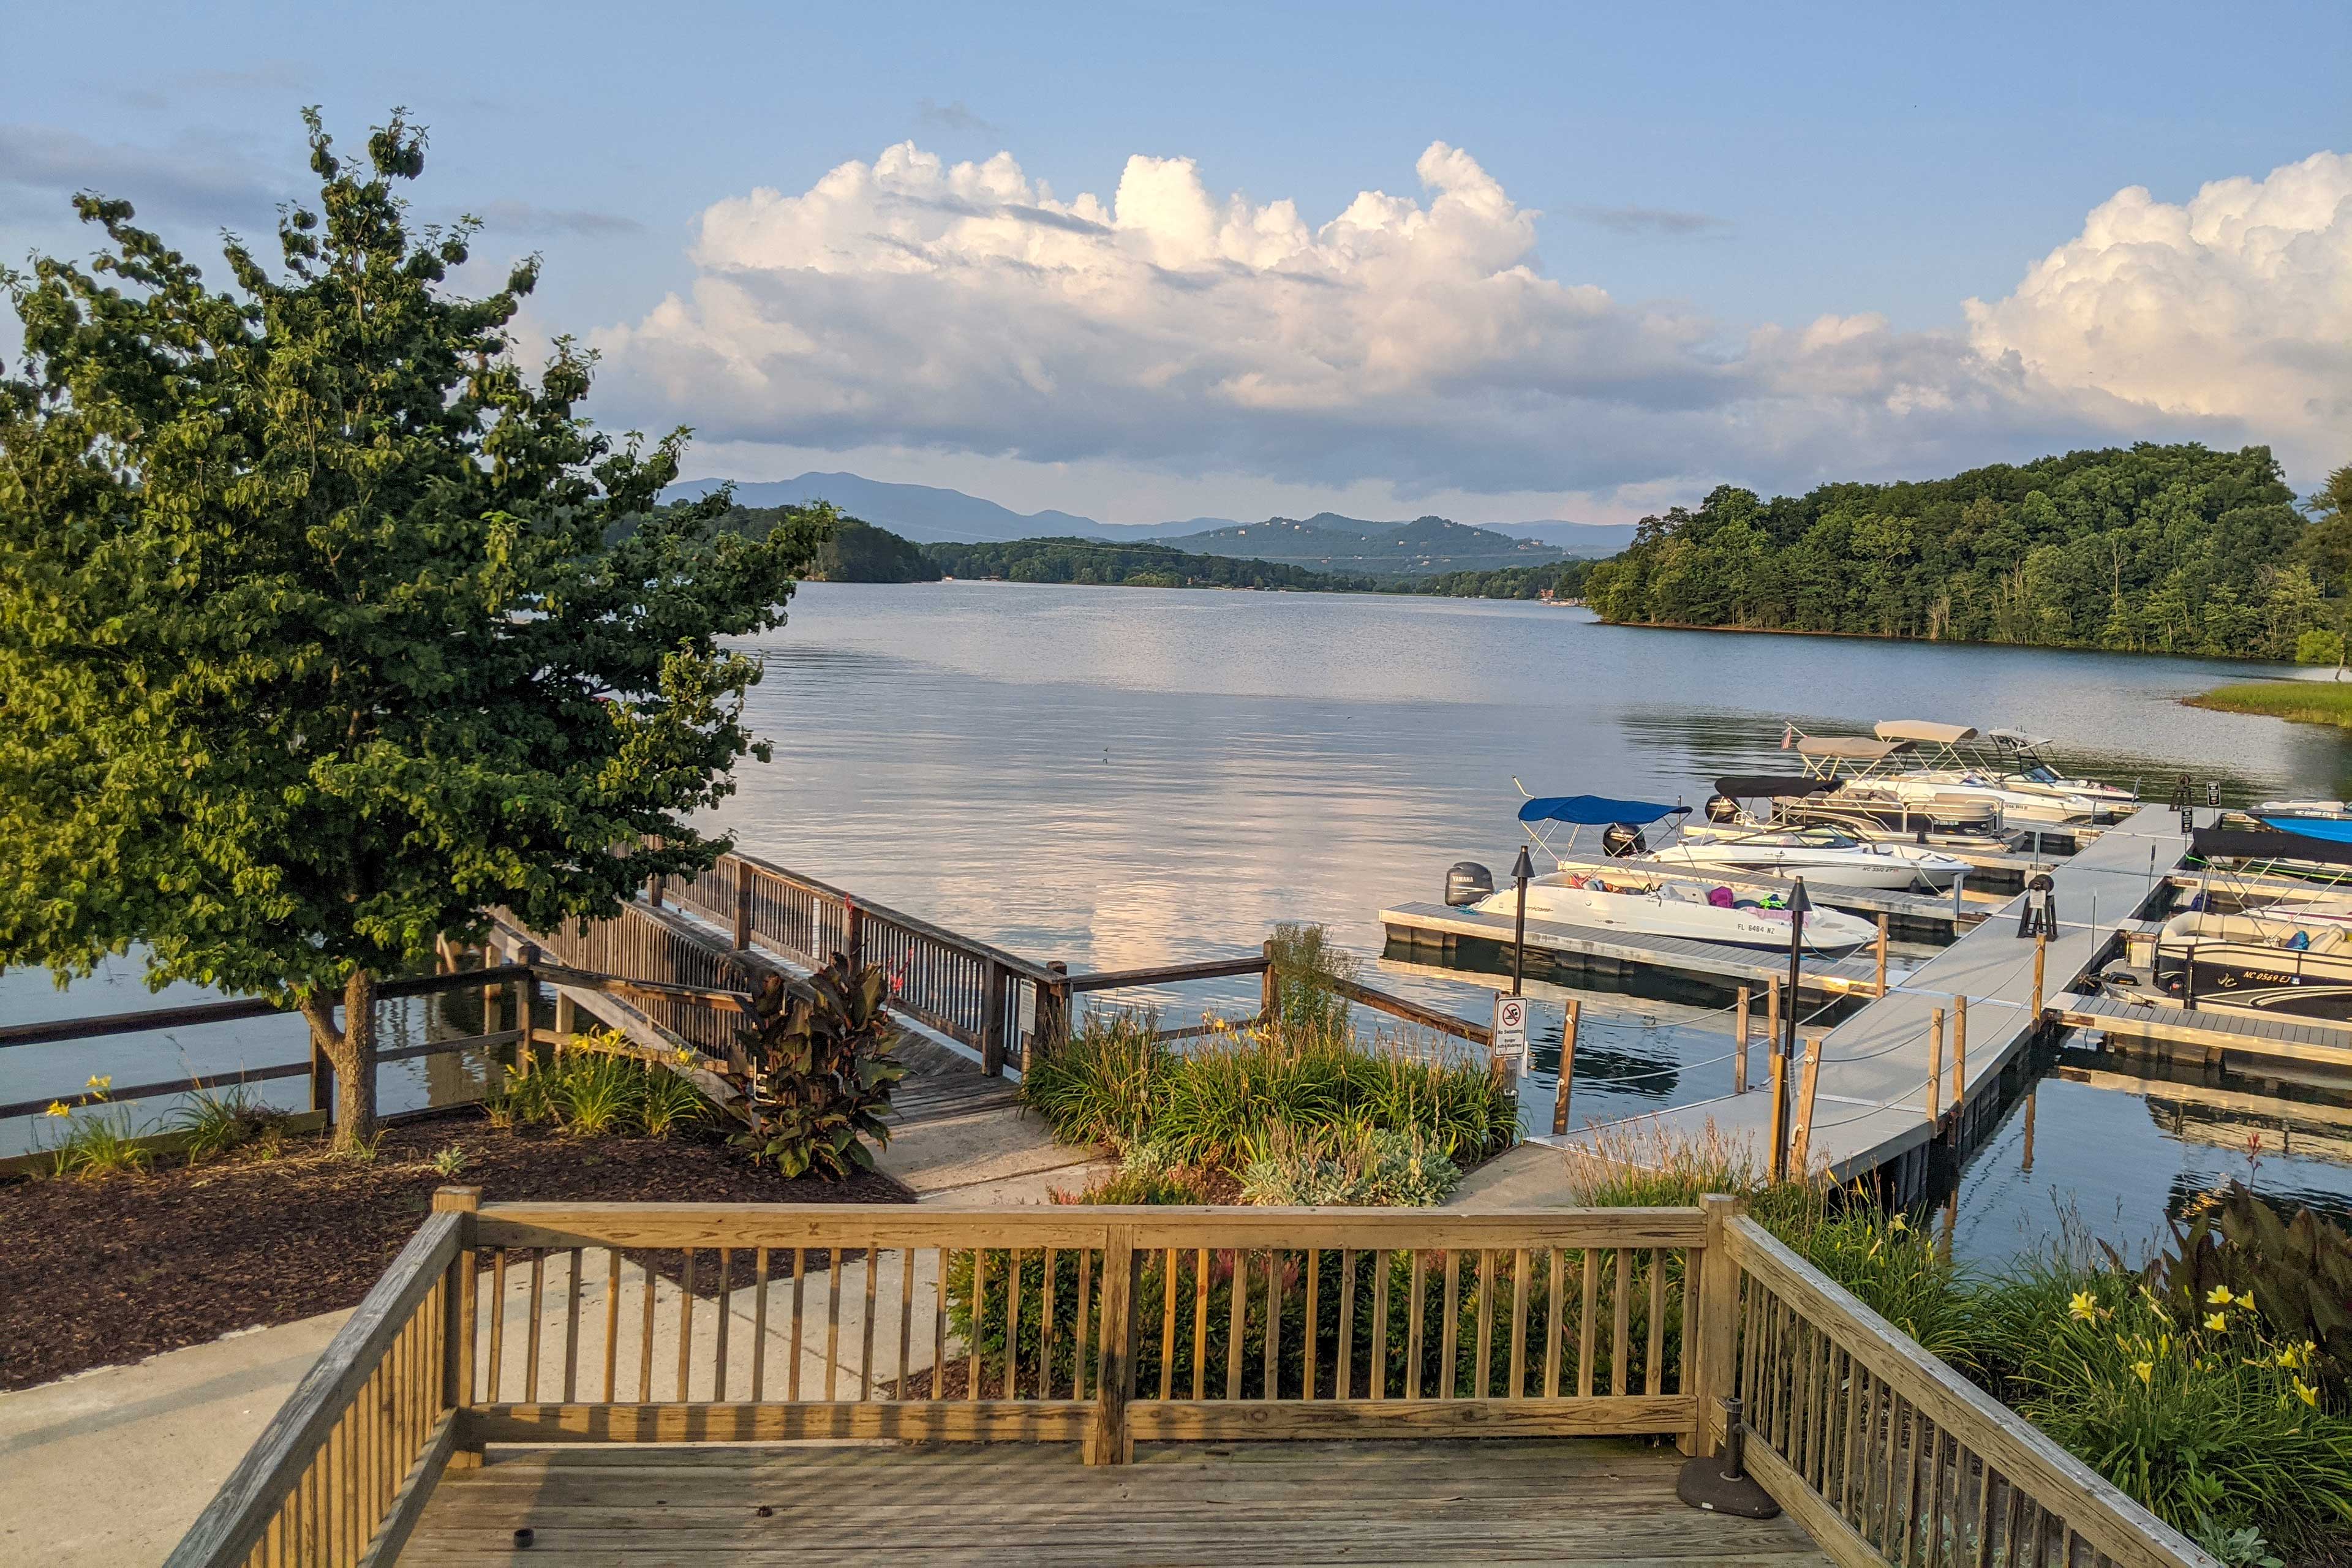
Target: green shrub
213,1122
106,1144
1351,1166
1105,1084
1305,964
822,1071
668,1101
591,1093
2320,647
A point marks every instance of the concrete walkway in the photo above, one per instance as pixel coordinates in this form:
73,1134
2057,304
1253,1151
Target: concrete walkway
108,1468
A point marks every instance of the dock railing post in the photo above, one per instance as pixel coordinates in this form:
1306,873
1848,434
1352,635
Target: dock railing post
1779,1116
457,1324
743,906
1739,1047
1934,1067
1270,989
1882,955
1800,1142
1718,1321
1959,1052
526,990
1772,1015
1567,1068
991,1018
2040,959
1959,905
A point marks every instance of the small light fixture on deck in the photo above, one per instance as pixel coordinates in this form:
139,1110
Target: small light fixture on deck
1719,1482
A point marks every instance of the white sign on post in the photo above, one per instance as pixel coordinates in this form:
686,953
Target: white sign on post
1510,1034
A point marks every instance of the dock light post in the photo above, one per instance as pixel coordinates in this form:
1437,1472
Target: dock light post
1799,902
1523,869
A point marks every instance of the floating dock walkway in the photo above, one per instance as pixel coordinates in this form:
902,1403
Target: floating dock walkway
2281,1036
1873,1103
1569,951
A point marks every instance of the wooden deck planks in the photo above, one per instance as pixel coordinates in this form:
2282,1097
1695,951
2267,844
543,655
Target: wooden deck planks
1608,1503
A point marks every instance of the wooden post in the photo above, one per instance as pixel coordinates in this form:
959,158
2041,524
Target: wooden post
526,989
743,906
1270,989
1719,1320
991,1018
323,1077
457,1326
2041,958
1739,1047
1107,1442
1801,1141
2033,1096
1882,955
1935,1069
566,1020
493,1014
653,890
1780,1100
852,936
1566,1067
1959,1052
1772,1015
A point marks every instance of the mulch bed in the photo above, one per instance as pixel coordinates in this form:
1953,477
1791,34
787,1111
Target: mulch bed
96,1273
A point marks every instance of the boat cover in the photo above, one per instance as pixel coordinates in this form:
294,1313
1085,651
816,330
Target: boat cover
1595,810
2245,844
1756,787
1921,730
1852,748
2335,829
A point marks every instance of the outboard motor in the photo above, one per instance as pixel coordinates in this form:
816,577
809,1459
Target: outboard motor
1620,840
1466,882
1722,808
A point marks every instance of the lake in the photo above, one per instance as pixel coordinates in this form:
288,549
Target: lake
1123,776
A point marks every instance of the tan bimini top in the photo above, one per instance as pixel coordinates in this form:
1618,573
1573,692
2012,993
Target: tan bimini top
1849,748
1921,730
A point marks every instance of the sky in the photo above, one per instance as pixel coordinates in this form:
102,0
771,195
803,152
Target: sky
1503,263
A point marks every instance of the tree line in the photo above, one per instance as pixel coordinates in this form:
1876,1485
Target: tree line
2160,549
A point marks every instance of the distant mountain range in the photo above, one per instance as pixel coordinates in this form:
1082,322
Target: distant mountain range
928,514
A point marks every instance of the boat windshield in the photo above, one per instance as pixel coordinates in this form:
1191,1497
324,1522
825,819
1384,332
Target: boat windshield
2040,773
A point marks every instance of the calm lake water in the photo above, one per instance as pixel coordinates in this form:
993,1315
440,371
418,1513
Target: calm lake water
1117,777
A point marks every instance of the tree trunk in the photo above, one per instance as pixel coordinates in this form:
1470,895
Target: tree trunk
351,1049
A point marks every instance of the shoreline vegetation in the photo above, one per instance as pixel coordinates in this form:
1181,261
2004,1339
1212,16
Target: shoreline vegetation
2298,701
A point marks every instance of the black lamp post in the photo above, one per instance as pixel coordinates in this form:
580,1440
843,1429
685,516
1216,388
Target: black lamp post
1520,872
1799,902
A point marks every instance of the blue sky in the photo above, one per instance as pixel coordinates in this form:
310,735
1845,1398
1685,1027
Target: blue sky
1701,174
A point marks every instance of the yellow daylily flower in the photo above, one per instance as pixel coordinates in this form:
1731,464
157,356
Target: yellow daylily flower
99,1084
59,1108
2220,1297
1898,1224
2246,1300
2217,1322
2085,1307
2146,1369
2305,1392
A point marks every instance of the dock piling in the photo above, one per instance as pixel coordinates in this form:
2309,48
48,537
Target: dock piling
2040,959
1799,1142
1935,1065
1780,1115
1959,1052
1567,1068
1738,1046
1880,981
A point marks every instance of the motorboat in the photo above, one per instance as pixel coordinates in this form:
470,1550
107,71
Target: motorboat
1875,795
2027,767
1800,802
2279,960
1806,851
1618,896
1949,773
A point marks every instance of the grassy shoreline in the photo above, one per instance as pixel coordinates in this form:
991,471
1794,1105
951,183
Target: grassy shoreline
2299,702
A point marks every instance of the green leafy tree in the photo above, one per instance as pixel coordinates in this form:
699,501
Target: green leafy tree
319,631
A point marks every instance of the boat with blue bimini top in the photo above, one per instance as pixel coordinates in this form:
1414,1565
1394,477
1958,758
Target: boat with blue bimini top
1618,896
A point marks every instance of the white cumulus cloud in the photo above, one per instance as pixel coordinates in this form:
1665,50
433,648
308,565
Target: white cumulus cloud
1420,340
2236,305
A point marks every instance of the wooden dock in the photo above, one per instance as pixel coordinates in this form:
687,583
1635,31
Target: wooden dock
1874,1103
2216,1031
1441,927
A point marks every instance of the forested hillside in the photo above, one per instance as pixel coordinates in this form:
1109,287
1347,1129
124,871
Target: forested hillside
2159,549
1135,565
861,553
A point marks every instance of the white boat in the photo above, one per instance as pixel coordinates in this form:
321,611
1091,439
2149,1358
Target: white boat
1824,852
1873,792
2029,769
1619,898
1952,776
1807,802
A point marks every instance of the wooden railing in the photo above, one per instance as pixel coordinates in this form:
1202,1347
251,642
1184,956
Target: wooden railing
564,1323
603,1322
340,1473
1886,1455
968,990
